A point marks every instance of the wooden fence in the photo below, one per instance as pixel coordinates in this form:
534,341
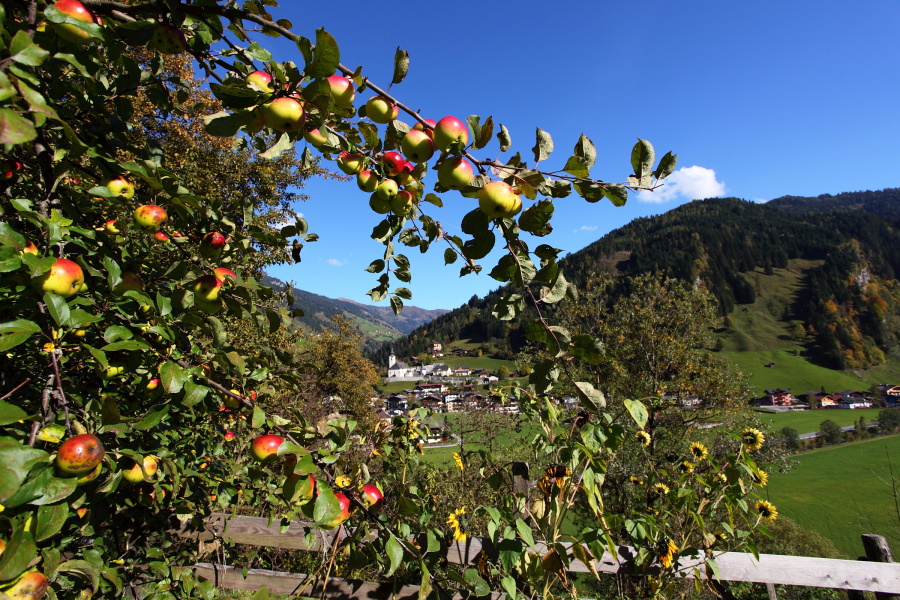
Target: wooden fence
882,577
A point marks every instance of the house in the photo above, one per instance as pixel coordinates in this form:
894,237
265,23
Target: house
889,390
462,372
829,401
854,402
436,429
778,397
437,349
429,389
397,403
433,403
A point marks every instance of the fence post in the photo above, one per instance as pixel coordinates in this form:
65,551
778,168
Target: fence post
877,550
521,482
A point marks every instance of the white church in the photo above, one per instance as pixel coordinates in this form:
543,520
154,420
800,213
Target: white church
400,371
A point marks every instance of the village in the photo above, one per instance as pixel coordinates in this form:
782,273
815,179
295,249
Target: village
883,395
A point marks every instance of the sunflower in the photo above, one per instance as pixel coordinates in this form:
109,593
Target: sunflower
766,510
686,467
635,480
660,489
760,478
453,521
753,439
458,459
643,437
667,551
699,451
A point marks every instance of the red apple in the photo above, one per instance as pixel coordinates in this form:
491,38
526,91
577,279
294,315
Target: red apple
315,137
229,435
428,130
31,586
284,114
393,162
29,248
79,455
448,131
64,278
299,489
417,146
153,384
150,217
265,447
212,244
160,237
208,287
455,172
372,498
406,175
381,110
9,168
132,471
78,11
260,80
342,91
344,502
497,199
225,274
167,39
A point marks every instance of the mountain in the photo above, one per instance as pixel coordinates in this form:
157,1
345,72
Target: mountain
377,324
846,298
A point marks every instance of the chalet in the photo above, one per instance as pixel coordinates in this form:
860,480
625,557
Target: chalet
433,402
383,415
462,372
436,430
426,389
829,400
778,397
397,403
854,402
437,349
889,390
456,405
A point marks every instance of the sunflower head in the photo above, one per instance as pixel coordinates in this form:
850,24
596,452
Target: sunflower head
760,478
686,467
766,510
699,451
753,439
643,438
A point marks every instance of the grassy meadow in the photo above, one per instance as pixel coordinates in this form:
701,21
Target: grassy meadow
808,421
843,492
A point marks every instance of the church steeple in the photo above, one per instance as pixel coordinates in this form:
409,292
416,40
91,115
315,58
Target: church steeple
391,359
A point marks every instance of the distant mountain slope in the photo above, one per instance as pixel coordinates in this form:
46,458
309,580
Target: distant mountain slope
377,324
848,299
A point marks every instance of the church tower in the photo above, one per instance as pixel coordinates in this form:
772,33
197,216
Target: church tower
391,359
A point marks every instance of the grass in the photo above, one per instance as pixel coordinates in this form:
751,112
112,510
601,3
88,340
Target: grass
790,371
843,492
808,421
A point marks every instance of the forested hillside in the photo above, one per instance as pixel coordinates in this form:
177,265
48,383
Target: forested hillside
848,304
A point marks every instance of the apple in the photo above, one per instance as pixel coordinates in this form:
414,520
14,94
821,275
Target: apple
379,204
130,281
402,203
261,81
448,131
258,122
381,110
31,586
160,237
417,146
428,130
29,248
367,180
90,476
64,278
406,175
208,287
371,497
342,90
455,172
284,114
497,199
150,217
351,163
80,332
112,371
167,39
315,137
393,162
387,189
9,168
229,436
265,447
344,502
114,227
210,307
212,244
133,472
299,489
153,384
78,11
225,274
120,187
79,455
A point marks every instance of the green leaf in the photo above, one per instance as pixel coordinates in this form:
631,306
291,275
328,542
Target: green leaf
327,507
50,519
592,398
403,293
616,193
585,150
14,129
536,218
480,587
173,377
262,594
525,532
13,333
24,51
258,418
401,65
577,166
642,158
20,549
638,412
281,145
509,586
153,417
666,166
449,256
588,349
484,136
504,138
326,56
11,414
543,146
84,569
225,124
395,553
193,393
396,305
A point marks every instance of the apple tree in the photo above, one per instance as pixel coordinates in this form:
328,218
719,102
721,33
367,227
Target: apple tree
132,401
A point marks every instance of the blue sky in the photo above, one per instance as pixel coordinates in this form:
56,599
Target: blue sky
759,100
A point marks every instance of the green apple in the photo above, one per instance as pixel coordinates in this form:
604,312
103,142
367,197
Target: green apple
120,187
448,131
258,122
207,288
167,39
387,189
284,114
261,81
498,200
381,110
379,204
429,131
367,180
455,172
130,281
79,455
417,146
342,90
64,278
351,163
402,203
79,12
132,471
315,137
150,217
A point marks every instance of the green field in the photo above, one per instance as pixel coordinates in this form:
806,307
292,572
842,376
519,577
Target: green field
843,492
808,421
791,372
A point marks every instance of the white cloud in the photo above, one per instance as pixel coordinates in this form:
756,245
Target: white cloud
688,183
336,263
288,221
585,228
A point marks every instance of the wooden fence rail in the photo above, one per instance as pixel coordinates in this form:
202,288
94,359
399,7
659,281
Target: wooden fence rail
880,577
